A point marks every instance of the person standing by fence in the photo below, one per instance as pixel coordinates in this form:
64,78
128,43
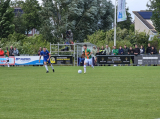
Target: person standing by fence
6,53
15,52
120,51
136,50
142,50
1,52
153,51
131,52
94,51
115,51
11,51
102,51
126,50
39,51
107,50
148,51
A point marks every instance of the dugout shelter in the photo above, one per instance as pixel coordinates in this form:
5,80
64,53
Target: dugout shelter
70,56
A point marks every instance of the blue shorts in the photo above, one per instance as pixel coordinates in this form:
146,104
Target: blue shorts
45,60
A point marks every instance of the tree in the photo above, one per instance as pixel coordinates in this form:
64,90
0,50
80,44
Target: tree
156,15
83,17
126,24
31,10
19,23
6,19
87,16
47,14
151,5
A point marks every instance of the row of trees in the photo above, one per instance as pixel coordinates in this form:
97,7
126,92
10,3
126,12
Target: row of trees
88,19
55,17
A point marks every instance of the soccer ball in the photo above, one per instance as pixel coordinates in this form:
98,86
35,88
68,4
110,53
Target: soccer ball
79,71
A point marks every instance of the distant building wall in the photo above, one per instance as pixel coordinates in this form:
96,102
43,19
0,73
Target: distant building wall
33,32
141,27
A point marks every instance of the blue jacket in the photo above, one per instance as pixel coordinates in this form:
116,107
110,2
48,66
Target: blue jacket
119,51
142,51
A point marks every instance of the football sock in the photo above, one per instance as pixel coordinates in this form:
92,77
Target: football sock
52,67
92,66
8,64
46,67
84,68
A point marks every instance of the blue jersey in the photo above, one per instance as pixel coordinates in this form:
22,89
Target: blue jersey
45,54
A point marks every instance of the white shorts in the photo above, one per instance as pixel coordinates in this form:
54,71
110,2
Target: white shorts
88,61
7,59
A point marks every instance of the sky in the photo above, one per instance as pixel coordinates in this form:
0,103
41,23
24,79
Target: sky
134,5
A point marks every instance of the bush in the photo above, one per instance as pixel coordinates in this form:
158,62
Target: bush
155,42
124,36
120,43
25,45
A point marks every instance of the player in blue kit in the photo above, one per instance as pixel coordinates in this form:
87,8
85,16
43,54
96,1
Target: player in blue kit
47,57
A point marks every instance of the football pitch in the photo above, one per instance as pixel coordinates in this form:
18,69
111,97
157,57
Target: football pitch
101,93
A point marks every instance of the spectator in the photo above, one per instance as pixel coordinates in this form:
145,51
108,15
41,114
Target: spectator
98,49
107,50
153,51
11,51
69,36
97,53
148,51
126,50
39,51
94,51
115,51
1,52
136,50
102,51
15,52
142,50
6,53
81,60
120,51
131,52
112,50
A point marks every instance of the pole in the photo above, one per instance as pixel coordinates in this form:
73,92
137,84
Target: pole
74,53
115,24
77,55
58,49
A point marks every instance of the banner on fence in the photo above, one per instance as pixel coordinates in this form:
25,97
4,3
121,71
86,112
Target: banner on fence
61,59
113,59
28,60
3,60
147,59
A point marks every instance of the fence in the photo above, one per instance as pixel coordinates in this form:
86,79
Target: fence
126,59
22,60
101,59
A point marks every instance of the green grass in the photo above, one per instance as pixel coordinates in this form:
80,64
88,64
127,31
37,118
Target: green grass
102,93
